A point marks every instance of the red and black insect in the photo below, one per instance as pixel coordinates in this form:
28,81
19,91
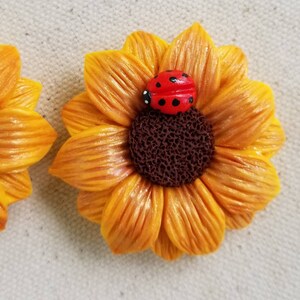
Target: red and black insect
170,92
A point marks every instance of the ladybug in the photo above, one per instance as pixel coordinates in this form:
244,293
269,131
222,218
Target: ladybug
170,92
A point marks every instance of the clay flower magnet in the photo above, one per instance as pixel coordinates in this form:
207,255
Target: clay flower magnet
170,144
25,137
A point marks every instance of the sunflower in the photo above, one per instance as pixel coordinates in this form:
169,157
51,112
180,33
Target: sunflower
172,183
25,137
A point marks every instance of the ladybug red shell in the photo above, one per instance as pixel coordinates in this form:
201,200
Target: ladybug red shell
170,92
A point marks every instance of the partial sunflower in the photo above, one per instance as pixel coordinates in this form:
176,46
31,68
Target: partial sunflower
170,181
25,137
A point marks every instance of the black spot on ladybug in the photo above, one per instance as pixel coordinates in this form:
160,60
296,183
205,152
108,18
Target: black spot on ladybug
162,102
169,86
175,102
191,99
147,97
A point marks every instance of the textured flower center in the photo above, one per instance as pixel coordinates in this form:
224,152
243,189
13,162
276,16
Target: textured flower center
171,150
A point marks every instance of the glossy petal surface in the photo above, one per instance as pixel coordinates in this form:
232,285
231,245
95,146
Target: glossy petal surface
193,220
3,208
115,81
241,181
240,113
194,53
271,140
25,95
91,204
238,221
80,114
234,65
17,186
164,248
132,217
10,68
148,47
25,138
95,159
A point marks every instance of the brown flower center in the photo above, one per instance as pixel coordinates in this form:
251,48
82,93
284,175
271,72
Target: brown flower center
171,150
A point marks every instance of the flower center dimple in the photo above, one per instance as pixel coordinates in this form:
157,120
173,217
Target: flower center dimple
171,150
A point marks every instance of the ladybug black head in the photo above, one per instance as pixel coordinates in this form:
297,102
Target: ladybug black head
147,97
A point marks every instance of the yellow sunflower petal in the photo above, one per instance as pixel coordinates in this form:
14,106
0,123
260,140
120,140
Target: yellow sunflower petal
10,68
3,208
115,81
242,181
95,159
80,114
193,220
164,248
238,221
17,186
234,65
132,217
271,140
148,47
91,204
25,138
240,113
194,52
26,95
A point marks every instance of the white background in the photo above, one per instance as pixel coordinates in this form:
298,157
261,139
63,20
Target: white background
49,252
